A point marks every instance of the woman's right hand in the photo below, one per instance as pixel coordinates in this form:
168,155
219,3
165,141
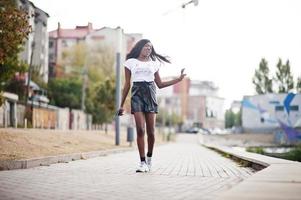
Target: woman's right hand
120,111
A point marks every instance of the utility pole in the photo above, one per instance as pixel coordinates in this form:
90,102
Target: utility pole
29,74
84,85
118,84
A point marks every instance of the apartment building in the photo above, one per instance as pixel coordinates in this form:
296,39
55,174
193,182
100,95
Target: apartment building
61,39
35,51
196,102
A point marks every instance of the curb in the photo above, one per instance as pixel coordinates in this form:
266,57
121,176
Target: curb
257,159
64,158
276,179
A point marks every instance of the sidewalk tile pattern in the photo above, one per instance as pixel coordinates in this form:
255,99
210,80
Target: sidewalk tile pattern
181,170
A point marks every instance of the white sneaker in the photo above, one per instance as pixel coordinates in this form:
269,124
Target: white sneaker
142,167
149,162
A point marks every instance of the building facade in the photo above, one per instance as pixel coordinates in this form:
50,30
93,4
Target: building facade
266,113
106,37
35,51
206,109
196,102
62,39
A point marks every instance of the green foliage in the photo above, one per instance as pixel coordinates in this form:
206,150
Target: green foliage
14,29
166,118
74,60
258,150
232,119
284,78
65,92
263,84
16,86
294,154
101,101
97,62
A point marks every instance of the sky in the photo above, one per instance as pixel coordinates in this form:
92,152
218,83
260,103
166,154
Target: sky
221,41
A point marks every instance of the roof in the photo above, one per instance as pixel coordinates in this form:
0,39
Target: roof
78,32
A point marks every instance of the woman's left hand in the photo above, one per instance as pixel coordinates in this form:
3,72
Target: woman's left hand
182,75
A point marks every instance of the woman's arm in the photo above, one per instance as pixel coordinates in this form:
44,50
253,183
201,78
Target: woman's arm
126,88
161,84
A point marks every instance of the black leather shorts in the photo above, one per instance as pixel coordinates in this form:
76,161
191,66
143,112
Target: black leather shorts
144,97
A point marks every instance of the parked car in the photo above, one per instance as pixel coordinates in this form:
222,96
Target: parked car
204,131
192,130
198,130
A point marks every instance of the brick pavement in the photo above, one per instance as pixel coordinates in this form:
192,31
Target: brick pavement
181,170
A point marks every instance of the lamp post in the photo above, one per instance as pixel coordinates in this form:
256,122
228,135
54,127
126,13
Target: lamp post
84,85
195,2
118,84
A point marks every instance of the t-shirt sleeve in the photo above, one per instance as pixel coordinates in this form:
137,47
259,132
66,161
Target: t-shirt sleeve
157,66
128,64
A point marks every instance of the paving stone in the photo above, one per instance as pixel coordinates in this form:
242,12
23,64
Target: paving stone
181,170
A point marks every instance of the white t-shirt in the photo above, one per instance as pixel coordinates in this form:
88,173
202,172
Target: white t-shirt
142,71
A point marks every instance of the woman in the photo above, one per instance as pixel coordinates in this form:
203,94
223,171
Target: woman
142,67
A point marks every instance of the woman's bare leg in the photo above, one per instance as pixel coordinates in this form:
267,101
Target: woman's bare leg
140,128
150,119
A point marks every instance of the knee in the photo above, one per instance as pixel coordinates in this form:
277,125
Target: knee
151,133
151,136
140,131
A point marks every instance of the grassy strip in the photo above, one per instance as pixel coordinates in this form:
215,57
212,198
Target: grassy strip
294,154
241,162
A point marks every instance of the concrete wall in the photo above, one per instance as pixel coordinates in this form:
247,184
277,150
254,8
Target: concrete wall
80,120
63,118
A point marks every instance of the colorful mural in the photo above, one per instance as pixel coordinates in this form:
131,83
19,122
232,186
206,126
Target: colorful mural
275,112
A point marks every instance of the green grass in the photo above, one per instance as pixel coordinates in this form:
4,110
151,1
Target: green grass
294,154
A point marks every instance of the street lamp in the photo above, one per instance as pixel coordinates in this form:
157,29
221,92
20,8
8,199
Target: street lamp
84,85
195,2
118,83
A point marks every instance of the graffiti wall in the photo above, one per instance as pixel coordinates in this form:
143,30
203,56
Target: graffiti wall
278,113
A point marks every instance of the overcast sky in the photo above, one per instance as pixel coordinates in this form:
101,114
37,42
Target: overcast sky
219,40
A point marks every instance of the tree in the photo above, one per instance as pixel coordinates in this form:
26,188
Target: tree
263,84
232,118
284,78
14,29
102,104
98,63
229,119
16,86
298,85
65,92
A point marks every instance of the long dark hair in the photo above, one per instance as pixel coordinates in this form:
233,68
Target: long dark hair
135,52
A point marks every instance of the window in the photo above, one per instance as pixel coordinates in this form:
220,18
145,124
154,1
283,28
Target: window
294,108
279,108
50,44
64,43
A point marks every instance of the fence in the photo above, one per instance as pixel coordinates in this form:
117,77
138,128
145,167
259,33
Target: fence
38,115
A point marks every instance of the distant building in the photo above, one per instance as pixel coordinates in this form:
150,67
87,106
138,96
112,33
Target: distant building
269,112
36,46
195,101
62,39
205,108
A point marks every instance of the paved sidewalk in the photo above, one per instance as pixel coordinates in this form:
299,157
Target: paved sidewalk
181,170
280,180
